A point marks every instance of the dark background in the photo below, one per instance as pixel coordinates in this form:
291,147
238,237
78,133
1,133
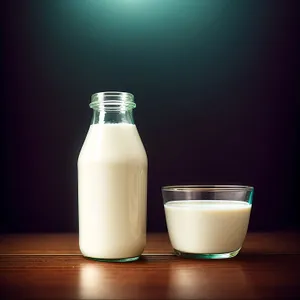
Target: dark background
215,87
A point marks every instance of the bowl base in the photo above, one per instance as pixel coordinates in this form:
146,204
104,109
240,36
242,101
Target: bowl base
207,255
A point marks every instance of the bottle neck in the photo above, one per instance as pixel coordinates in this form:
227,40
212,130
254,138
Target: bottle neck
112,117
112,108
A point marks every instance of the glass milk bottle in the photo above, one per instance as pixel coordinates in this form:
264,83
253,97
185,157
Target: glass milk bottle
112,182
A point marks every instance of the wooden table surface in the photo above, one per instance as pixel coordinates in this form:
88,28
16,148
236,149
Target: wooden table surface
49,266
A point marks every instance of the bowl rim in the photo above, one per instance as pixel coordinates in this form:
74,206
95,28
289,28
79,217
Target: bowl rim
207,188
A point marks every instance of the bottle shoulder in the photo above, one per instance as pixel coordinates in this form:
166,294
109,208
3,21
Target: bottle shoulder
113,142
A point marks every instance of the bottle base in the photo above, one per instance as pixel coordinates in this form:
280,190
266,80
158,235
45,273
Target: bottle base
127,259
207,255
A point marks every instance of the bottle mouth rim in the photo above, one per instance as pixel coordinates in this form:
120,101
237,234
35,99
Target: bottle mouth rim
112,100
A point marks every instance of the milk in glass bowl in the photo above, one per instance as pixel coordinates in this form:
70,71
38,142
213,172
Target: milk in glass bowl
207,221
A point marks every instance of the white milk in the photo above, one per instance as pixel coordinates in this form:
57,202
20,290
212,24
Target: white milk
112,184
212,226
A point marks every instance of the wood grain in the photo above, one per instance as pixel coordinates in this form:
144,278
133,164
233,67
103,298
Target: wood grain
157,243
268,268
